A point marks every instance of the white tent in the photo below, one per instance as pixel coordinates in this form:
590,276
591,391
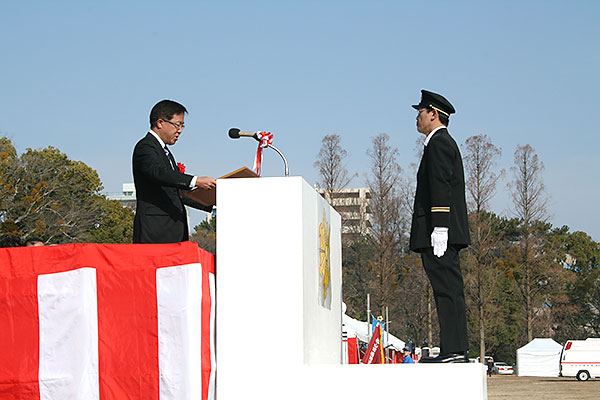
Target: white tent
540,357
360,329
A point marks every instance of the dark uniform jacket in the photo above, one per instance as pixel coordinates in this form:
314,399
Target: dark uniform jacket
440,197
160,215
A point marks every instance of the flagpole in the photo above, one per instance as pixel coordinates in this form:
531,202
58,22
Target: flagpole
387,326
368,316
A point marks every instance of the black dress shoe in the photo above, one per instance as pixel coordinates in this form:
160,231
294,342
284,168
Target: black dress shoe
446,358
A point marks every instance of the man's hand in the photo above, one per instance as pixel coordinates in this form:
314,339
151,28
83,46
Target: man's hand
439,241
205,182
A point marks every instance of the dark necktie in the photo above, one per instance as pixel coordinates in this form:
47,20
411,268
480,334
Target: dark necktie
172,162
170,157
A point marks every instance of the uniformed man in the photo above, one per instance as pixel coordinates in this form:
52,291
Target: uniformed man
439,224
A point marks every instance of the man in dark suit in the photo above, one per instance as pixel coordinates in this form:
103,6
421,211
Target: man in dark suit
439,225
160,215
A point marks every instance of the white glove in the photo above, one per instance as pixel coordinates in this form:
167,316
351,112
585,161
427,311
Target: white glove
439,241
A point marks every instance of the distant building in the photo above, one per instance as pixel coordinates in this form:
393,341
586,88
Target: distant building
126,197
353,206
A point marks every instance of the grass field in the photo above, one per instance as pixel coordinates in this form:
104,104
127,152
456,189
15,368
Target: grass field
509,387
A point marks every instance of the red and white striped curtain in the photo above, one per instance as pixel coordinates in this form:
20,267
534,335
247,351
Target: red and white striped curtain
107,321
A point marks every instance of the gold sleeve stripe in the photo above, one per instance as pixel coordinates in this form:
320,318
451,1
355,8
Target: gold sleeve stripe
440,209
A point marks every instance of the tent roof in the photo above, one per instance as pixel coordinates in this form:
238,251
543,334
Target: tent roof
361,329
541,346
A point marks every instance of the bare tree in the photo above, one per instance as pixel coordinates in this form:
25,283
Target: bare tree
385,230
532,264
480,161
481,275
333,175
527,188
419,146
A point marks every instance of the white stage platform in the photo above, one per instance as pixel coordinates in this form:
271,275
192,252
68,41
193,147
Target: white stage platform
393,381
360,382
278,319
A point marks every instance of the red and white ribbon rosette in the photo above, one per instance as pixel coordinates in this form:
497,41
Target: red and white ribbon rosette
264,140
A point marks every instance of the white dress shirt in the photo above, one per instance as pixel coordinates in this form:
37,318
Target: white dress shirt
163,145
428,138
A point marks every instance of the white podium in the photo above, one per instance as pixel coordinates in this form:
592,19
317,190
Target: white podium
278,304
278,291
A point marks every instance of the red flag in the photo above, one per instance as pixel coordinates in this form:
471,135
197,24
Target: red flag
374,354
352,351
106,321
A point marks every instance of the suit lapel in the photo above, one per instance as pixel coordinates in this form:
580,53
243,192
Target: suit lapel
168,160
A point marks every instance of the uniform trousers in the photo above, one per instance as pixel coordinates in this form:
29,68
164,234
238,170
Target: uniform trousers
448,290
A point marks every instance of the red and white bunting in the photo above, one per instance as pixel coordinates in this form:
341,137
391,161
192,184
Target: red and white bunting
91,321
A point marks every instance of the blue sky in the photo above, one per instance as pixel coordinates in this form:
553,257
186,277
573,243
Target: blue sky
83,76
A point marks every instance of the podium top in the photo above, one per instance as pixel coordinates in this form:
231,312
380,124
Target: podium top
243,172
209,197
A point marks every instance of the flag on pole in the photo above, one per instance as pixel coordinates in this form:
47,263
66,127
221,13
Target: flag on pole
374,354
110,321
353,350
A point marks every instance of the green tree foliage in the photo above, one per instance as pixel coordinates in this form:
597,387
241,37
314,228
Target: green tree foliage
506,333
45,194
205,235
577,316
116,225
533,263
356,256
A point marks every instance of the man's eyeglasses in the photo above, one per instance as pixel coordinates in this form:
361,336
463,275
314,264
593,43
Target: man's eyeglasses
177,125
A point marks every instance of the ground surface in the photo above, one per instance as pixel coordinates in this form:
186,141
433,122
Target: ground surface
509,387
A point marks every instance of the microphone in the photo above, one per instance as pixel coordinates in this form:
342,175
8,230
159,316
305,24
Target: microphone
235,133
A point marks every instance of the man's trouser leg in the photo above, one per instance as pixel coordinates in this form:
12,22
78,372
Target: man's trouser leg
448,290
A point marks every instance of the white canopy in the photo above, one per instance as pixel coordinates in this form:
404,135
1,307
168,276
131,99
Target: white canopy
360,329
540,357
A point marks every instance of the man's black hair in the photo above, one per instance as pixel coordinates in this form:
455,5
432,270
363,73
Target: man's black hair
33,239
165,109
444,119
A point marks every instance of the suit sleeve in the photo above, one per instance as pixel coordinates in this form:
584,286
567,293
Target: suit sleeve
441,156
147,162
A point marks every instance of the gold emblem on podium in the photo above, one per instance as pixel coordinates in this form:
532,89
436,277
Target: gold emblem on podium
324,259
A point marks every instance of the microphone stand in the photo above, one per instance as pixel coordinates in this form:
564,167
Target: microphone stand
287,172
235,133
